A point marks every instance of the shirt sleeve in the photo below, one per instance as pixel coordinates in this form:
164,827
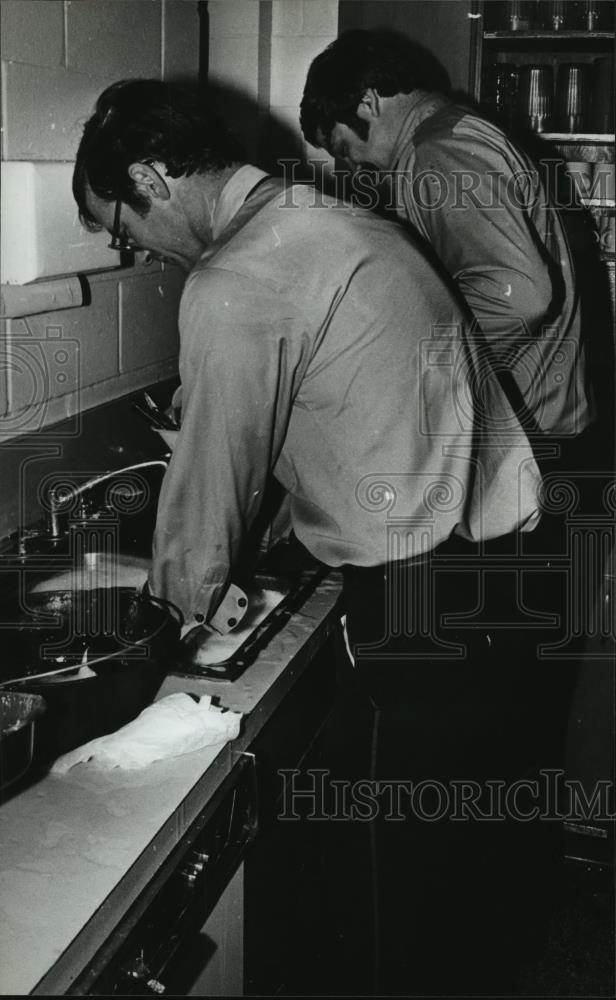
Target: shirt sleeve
241,358
473,202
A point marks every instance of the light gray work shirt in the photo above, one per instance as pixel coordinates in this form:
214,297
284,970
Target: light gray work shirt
320,345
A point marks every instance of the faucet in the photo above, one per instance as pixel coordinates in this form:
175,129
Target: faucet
57,499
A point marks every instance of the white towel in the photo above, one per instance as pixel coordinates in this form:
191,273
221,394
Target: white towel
173,726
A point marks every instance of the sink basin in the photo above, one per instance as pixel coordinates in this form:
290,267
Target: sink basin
128,642
98,570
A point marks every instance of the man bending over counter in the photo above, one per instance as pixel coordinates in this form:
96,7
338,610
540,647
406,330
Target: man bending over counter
476,198
319,345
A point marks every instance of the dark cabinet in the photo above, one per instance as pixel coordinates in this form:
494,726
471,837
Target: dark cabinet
442,26
285,935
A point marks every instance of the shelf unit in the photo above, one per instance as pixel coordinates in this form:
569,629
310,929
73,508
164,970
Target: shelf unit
590,147
491,46
549,36
583,137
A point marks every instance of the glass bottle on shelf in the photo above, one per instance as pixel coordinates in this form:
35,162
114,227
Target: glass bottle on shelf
572,97
536,97
517,15
501,92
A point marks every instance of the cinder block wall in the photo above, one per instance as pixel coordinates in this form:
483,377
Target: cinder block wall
56,58
259,55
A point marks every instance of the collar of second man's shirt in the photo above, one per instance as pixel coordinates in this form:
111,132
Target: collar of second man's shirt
422,104
233,195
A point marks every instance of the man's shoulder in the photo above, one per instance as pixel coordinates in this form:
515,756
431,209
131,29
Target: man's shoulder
301,225
457,132
452,120
296,255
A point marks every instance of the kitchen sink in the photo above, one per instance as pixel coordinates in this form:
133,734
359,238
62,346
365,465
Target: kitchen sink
97,570
97,536
96,657
64,606
58,579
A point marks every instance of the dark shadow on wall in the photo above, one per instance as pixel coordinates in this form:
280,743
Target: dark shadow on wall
267,138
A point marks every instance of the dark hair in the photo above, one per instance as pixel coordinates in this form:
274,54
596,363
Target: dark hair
143,121
359,60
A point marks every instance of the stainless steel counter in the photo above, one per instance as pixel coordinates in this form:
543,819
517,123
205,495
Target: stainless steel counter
76,850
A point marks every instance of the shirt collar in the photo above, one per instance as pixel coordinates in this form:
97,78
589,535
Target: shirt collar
422,105
233,195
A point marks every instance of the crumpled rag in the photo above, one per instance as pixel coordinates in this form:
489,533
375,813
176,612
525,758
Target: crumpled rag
173,726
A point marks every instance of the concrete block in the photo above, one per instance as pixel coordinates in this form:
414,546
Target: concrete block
32,32
320,18
233,18
234,62
114,39
291,58
46,111
305,17
287,17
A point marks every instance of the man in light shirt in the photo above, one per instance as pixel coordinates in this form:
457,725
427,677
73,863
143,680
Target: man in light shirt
477,199
319,345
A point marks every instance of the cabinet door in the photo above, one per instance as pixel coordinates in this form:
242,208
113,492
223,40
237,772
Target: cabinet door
442,26
222,938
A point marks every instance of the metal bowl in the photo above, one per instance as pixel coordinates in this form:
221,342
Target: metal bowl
18,715
129,639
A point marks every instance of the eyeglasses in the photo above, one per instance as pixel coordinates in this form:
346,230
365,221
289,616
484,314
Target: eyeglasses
119,240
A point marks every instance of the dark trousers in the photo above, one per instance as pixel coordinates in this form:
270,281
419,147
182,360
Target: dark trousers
450,696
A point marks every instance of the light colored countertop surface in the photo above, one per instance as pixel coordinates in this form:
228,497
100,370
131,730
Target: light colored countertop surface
76,850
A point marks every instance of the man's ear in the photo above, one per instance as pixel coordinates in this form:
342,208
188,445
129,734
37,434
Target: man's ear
370,105
148,181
